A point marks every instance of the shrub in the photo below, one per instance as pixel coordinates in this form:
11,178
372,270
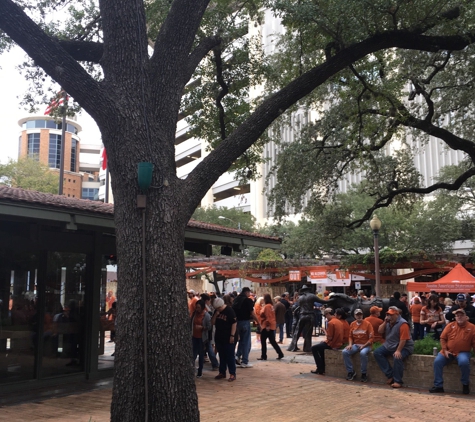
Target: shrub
426,345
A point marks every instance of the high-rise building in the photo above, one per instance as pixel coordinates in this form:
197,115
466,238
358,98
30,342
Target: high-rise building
41,139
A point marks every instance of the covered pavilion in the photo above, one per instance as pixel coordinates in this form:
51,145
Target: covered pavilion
54,257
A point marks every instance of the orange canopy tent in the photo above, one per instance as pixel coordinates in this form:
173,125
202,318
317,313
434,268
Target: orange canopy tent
458,280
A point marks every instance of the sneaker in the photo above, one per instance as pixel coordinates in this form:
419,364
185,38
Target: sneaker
219,376
246,365
261,358
238,361
436,390
396,385
199,376
280,357
351,376
364,378
466,389
232,378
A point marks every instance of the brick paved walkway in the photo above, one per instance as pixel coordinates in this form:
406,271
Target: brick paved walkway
271,391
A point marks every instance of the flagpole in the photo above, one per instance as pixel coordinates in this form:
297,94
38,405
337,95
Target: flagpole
63,145
106,199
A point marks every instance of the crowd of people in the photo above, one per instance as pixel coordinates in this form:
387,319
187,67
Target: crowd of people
222,326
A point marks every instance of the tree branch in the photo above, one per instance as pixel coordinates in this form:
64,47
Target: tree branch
218,161
201,50
178,31
386,200
48,53
224,91
83,51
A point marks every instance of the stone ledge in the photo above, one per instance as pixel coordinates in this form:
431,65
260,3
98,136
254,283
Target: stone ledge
418,371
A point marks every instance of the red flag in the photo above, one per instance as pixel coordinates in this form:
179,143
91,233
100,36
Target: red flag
104,159
55,103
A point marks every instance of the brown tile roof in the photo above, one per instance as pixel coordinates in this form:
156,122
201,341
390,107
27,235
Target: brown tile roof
58,202
49,200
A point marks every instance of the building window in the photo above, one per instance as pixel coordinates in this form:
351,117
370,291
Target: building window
33,146
48,124
74,144
54,156
90,193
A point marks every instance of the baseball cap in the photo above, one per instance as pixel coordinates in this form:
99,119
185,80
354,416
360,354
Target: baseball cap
374,309
459,311
392,311
358,311
461,296
328,311
191,291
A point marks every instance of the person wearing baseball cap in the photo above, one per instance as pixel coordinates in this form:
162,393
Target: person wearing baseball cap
398,344
461,303
456,341
360,340
334,341
375,321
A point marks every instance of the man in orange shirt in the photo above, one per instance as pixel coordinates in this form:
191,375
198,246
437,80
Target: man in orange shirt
457,339
398,343
375,321
360,340
334,341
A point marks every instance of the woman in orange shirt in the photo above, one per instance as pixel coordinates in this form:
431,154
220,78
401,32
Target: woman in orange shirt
268,327
415,309
432,316
257,310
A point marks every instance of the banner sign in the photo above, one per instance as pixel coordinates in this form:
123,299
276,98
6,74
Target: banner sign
295,275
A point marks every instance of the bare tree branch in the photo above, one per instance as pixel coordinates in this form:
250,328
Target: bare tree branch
200,51
53,58
386,200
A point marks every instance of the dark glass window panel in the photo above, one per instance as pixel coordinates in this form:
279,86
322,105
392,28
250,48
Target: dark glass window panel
19,318
65,309
74,143
54,155
33,145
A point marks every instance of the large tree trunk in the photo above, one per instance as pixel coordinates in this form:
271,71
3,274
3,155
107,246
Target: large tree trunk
170,370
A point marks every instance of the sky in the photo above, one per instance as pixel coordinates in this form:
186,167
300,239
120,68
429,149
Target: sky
12,88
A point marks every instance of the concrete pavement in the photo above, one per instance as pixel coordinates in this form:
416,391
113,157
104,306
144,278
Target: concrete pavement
271,391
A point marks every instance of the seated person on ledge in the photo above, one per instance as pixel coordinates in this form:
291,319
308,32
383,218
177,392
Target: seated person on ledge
334,341
456,341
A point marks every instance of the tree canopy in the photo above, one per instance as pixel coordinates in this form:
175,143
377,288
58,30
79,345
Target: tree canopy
29,174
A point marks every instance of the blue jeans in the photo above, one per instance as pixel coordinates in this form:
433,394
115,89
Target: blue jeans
418,333
211,355
463,360
363,357
198,350
226,358
244,346
381,353
281,332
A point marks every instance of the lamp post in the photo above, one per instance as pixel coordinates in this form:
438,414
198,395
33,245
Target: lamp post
375,225
222,217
